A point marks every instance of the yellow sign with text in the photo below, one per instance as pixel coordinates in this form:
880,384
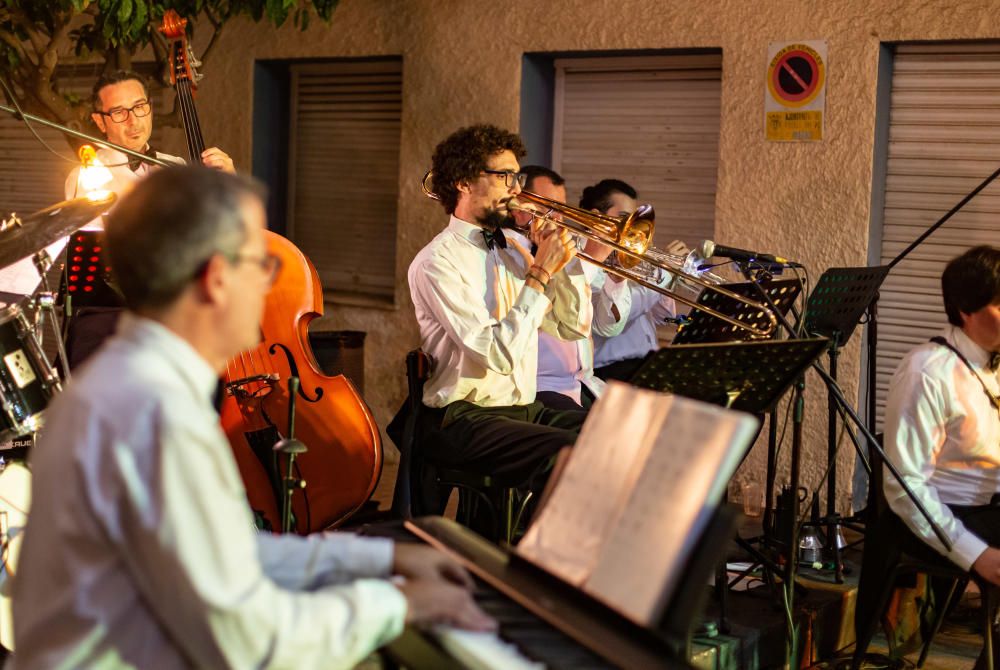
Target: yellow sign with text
791,126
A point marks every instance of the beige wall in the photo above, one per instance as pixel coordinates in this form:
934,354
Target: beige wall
462,64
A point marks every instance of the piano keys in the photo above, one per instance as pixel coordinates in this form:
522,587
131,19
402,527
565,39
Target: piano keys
544,622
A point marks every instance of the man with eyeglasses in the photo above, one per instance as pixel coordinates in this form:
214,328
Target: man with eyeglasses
139,550
480,300
124,114
942,431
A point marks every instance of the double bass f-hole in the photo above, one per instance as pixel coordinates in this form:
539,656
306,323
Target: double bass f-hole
295,371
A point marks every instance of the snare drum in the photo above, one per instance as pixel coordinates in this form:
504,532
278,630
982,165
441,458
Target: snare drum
27,380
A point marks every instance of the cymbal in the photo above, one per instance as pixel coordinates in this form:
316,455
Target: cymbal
22,236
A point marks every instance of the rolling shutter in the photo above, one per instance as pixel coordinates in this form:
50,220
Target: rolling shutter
944,139
344,174
650,121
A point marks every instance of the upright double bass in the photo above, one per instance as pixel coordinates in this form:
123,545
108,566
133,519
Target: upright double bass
344,458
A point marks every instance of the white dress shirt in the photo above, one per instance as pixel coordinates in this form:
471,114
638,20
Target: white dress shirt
564,366
943,435
123,179
479,322
642,311
140,552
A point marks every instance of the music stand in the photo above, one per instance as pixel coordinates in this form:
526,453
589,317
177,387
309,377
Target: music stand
834,310
702,327
747,376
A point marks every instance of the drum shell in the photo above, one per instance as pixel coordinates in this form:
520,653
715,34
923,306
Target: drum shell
27,380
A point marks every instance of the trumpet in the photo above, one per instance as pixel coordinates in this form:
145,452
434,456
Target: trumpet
630,235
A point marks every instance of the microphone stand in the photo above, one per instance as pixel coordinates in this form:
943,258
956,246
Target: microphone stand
291,448
798,416
28,119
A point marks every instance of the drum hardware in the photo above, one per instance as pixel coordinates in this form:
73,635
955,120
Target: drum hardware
22,236
44,303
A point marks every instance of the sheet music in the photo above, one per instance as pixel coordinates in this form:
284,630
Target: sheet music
566,538
643,480
682,483
22,277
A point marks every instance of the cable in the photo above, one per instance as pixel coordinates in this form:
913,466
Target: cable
24,119
31,128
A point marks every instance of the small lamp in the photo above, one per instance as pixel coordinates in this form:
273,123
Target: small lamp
93,175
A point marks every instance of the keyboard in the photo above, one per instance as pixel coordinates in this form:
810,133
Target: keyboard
543,622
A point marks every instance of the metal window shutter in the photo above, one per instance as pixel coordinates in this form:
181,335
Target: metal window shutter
650,121
944,139
31,176
344,173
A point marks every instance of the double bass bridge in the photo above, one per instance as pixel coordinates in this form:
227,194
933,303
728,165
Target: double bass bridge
253,386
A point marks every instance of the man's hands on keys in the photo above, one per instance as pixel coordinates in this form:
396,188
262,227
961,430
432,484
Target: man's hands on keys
215,157
416,561
438,590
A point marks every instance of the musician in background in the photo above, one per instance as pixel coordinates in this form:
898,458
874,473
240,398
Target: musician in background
641,309
566,377
139,550
942,428
479,304
124,114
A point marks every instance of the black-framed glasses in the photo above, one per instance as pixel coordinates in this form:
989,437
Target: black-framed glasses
269,264
120,114
510,177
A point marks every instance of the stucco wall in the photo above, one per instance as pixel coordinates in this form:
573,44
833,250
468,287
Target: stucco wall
462,64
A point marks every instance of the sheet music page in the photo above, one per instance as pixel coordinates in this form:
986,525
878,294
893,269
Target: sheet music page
696,451
22,277
567,536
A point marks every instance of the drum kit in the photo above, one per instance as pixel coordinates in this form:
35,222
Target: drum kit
28,379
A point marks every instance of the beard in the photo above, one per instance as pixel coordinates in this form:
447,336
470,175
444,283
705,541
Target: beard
493,219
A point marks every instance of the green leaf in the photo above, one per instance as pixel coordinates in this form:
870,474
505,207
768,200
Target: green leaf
124,12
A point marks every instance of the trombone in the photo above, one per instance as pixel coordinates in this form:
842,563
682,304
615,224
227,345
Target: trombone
630,235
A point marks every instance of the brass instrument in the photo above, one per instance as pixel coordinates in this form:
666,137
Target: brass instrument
630,235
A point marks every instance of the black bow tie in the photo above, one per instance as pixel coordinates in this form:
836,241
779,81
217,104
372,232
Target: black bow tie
994,361
494,238
134,163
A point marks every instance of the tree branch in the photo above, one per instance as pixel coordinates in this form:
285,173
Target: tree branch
11,40
36,37
211,43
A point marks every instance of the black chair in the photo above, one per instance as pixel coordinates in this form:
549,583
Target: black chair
504,501
882,556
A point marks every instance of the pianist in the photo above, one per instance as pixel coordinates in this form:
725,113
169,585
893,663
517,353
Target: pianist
139,550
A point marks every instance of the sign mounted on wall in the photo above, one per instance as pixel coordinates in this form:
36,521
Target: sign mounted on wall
795,95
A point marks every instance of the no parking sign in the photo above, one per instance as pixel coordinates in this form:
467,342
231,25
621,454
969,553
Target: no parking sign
795,96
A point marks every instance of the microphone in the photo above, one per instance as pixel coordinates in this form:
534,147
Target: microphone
709,248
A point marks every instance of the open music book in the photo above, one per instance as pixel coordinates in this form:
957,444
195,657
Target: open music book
644,478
